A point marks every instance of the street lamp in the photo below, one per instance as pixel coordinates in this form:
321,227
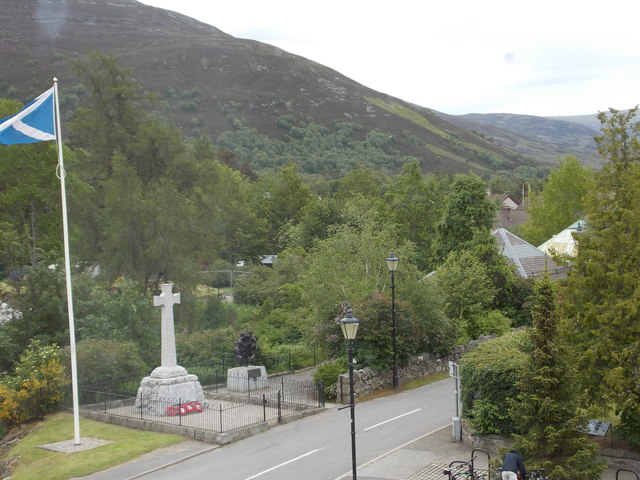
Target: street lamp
349,325
392,265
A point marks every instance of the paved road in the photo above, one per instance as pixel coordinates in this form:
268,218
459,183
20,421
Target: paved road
397,439
319,447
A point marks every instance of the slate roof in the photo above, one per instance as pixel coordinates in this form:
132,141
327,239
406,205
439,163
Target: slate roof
510,218
527,259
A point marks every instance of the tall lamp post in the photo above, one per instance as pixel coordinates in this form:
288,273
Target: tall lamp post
392,265
349,325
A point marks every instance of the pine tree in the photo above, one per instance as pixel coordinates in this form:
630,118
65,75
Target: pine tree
547,407
604,288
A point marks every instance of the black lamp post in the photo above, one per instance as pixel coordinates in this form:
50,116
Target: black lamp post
349,325
392,265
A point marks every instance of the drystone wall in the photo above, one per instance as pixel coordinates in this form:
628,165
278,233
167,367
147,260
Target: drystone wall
367,381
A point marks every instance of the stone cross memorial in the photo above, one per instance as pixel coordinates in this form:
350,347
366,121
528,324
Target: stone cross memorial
166,300
169,386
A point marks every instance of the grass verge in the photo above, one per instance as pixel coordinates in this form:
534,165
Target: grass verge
436,377
126,444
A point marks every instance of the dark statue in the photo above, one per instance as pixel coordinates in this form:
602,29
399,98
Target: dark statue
246,348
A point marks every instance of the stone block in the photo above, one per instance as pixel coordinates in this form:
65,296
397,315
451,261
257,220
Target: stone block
243,379
168,386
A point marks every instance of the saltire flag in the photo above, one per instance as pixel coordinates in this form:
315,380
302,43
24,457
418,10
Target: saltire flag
34,123
39,121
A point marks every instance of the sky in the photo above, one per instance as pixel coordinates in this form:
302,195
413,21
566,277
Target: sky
542,57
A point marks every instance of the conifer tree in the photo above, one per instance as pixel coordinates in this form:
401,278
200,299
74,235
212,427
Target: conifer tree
547,408
602,304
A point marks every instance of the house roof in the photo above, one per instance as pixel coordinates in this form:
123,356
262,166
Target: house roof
502,198
510,218
528,260
564,243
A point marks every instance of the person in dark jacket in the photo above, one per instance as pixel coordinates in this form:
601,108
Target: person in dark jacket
512,465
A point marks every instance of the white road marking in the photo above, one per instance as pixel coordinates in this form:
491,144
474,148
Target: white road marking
392,419
283,464
344,475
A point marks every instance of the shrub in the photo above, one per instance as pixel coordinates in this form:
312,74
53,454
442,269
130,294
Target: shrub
328,373
284,357
187,106
9,412
629,428
23,398
373,348
489,323
490,417
253,289
488,378
196,122
205,347
107,361
33,362
217,314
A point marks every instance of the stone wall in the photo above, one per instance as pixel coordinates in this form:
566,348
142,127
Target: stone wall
367,381
490,443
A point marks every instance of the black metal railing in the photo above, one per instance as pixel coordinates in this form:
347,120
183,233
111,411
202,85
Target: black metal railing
223,409
287,360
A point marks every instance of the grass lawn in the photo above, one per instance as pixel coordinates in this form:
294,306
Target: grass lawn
36,463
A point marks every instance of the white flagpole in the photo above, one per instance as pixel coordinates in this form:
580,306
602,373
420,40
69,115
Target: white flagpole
67,268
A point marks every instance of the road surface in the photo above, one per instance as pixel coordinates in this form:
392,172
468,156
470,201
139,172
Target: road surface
319,447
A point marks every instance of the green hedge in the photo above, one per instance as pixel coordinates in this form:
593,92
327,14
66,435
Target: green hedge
629,428
488,380
328,373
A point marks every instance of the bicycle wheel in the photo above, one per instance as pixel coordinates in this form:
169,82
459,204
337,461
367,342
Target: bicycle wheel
466,475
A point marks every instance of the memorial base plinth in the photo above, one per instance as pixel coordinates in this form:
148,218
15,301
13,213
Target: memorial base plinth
243,379
168,386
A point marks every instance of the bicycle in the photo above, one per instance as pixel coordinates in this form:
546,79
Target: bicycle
460,470
537,474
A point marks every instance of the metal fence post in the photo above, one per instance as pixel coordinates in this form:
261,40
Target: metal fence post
320,393
180,411
279,408
264,407
220,410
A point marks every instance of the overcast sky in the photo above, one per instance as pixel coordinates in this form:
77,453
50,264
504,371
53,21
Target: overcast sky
560,57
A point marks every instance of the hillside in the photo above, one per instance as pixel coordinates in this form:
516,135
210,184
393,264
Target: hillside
210,83
537,137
